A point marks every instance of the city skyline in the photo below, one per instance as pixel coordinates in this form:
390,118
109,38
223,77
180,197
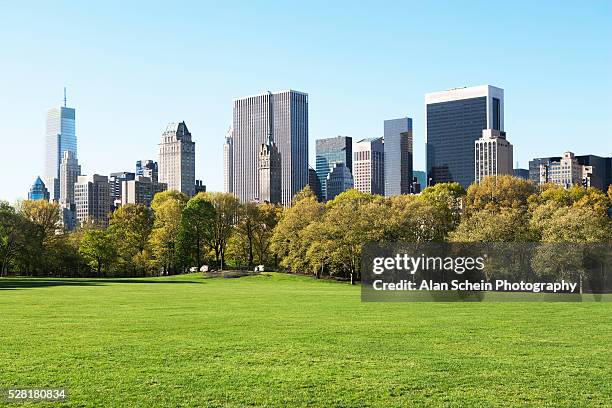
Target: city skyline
120,86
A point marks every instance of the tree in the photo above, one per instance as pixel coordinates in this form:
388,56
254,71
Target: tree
416,219
168,208
197,227
268,217
45,219
490,225
131,226
226,210
248,220
98,250
447,197
13,239
496,192
288,242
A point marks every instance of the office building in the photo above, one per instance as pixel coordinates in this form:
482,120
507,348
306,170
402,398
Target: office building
177,159
566,172
228,164
521,173
284,115
329,152
455,119
38,191
92,199
60,137
270,173
369,166
69,173
116,186
338,180
557,169
313,182
147,168
421,178
200,187
140,190
492,155
398,156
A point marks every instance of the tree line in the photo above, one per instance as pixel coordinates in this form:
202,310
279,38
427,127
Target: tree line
322,239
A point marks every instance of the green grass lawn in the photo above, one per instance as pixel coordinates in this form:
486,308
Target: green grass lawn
281,340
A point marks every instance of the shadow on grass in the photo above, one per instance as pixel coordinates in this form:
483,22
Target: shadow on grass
33,283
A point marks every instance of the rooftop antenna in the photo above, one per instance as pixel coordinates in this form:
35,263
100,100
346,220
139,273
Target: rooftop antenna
64,97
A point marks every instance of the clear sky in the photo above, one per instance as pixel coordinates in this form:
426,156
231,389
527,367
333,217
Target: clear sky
131,68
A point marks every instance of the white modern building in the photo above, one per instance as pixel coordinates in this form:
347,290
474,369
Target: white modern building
369,166
284,115
493,155
92,199
70,170
177,159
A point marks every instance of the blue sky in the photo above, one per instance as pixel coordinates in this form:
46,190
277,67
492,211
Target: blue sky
132,68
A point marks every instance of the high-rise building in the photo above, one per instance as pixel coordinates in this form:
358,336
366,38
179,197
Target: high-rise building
228,164
313,182
283,114
521,173
455,119
398,156
140,190
493,155
598,172
270,173
421,178
68,175
92,199
330,151
177,159
338,180
38,191
60,137
369,166
200,187
147,168
116,186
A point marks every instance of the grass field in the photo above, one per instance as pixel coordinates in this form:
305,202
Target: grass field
282,340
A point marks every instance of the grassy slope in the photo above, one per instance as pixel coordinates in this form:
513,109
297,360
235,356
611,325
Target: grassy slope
287,340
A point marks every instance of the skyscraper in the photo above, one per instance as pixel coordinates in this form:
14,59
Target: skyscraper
60,137
269,173
455,119
398,156
313,182
330,151
283,114
228,164
369,166
92,199
177,159
38,191
116,186
338,180
68,175
493,155
147,168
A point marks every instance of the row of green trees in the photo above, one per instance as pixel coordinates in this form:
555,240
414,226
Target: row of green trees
171,237
178,233
327,238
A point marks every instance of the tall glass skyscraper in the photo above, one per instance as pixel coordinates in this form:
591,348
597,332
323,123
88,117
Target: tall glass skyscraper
455,120
398,156
284,115
329,152
60,138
